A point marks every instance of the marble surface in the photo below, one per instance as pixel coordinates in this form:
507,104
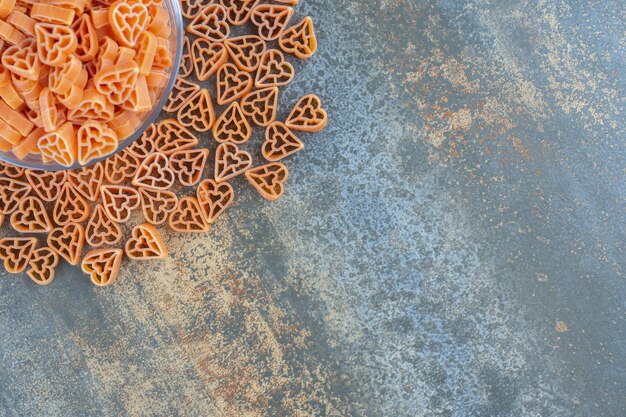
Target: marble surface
451,245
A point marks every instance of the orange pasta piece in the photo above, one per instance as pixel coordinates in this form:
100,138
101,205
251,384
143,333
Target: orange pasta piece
181,93
119,201
31,216
271,20
197,112
16,252
246,51
232,126
299,39
70,206
67,241
261,105
128,21
120,167
268,180
188,165
154,173
157,204
117,81
46,184
12,191
187,218
172,136
308,115
186,63
146,52
232,84
238,11
6,6
86,38
9,34
146,243
92,107
52,14
60,145
22,22
208,57
95,141
11,170
54,43
230,161
280,142
101,230
274,70
102,265
144,145
42,266
28,144
210,23
22,59
87,180
190,8
214,198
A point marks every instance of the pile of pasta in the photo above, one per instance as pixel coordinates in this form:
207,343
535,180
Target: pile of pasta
93,206
78,77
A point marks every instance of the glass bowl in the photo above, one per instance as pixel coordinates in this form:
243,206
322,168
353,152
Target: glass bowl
33,161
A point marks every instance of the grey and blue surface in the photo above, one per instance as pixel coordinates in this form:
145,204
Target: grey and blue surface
451,245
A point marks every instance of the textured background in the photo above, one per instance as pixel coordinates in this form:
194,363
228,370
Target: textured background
452,244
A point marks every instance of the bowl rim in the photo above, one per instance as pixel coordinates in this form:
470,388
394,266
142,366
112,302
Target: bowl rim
177,15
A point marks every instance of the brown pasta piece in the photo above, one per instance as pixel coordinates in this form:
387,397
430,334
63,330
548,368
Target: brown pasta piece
87,180
154,173
232,126
31,216
268,179
232,84
119,201
274,70
187,217
208,57
146,243
214,198
102,265
157,204
120,167
172,137
230,161
245,51
42,266
188,165
16,252
299,40
101,230
197,112
280,142
182,92
308,115
11,193
271,20
67,241
46,184
261,105
70,206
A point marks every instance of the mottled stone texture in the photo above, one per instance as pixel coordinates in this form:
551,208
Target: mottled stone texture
451,245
